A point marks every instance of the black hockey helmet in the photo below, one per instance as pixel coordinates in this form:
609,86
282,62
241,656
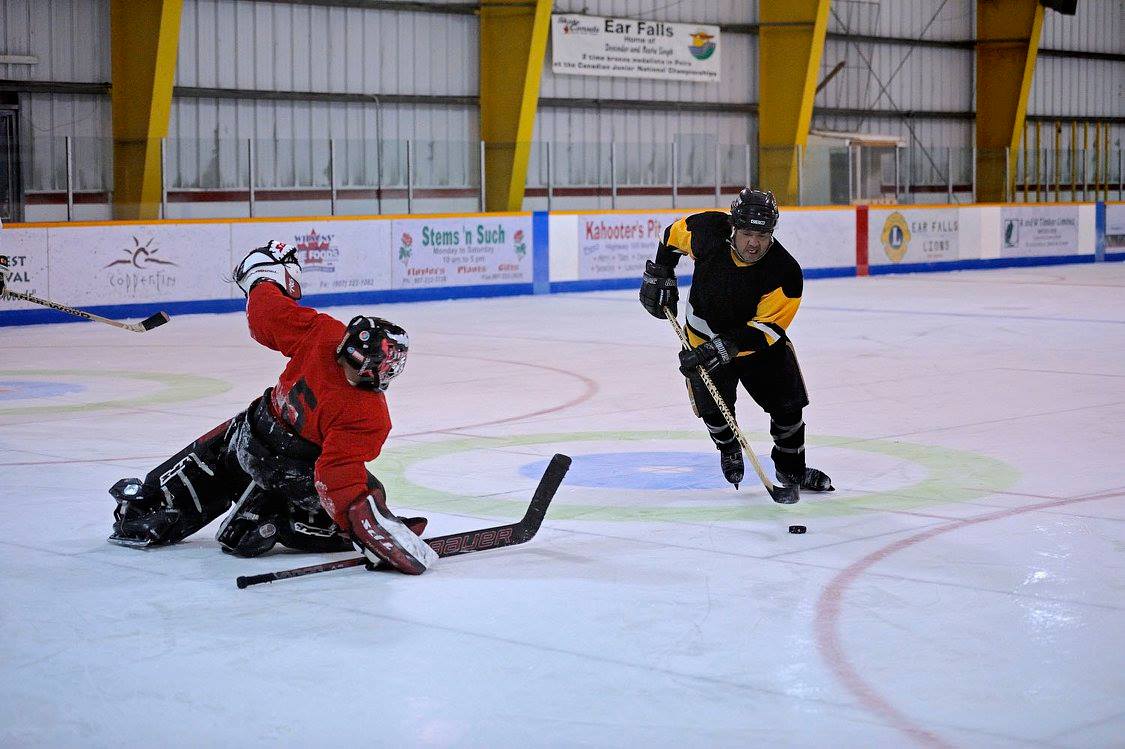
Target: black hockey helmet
754,210
376,349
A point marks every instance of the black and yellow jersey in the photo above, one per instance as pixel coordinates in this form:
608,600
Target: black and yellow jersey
751,304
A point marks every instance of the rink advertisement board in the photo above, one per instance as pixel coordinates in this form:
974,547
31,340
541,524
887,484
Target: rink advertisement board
631,48
819,238
1114,227
25,268
127,268
468,251
1038,231
923,235
335,256
616,245
127,263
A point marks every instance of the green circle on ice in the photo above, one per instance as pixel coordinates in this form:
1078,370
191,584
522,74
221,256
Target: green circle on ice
949,476
177,389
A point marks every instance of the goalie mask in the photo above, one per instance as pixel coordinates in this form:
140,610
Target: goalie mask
373,352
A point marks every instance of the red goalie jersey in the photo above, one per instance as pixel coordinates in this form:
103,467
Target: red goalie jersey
313,396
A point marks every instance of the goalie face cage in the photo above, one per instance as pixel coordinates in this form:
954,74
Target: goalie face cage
374,350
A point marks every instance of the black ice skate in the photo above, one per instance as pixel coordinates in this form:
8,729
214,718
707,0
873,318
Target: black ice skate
733,468
813,480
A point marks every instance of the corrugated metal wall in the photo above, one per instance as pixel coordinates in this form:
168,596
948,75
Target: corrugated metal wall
291,47
880,79
69,37
264,46
1099,26
1064,86
287,46
70,40
644,138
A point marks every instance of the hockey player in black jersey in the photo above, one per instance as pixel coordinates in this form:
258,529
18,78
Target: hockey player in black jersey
744,293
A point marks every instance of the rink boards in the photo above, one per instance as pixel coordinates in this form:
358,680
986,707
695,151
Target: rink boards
123,269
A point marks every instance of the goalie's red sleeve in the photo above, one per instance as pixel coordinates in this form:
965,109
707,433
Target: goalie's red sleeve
313,398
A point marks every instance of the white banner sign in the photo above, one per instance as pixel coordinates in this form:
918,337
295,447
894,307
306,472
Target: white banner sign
335,256
912,236
25,265
1038,231
629,48
616,245
130,263
461,251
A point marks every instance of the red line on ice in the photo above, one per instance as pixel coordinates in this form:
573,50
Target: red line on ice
827,621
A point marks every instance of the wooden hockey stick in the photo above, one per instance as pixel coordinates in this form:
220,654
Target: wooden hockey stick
150,322
786,495
455,543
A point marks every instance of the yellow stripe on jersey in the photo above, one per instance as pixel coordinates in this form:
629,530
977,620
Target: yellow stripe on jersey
679,238
695,339
775,309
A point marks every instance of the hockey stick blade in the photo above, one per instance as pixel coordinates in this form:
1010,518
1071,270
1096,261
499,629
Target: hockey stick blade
455,544
149,323
786,495
154,321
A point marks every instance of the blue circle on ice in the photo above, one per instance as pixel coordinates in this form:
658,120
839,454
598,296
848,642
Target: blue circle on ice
640,470
12,390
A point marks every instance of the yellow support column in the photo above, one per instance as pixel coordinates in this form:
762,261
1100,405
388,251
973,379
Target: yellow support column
1008,34
790,45
513,43
144,37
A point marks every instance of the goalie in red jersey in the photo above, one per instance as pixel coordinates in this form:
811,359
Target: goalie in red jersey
293,464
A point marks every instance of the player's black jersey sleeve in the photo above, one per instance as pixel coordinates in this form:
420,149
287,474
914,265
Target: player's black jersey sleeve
698,236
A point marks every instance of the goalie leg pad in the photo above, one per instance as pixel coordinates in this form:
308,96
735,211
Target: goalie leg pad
311,530
252,527
180,496
274,457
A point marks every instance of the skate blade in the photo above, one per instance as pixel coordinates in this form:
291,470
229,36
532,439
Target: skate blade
132,543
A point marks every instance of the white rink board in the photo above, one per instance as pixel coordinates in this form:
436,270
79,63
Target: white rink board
1038,231
1114,226
26,250
124,264
114,264
616,245
464,251
335,256
915,235
819,238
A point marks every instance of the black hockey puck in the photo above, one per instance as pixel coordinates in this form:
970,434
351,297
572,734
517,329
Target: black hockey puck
796,529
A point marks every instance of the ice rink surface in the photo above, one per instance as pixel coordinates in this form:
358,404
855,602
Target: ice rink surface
963,587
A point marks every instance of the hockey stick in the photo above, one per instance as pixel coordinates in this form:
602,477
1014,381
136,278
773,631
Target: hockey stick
455,543
150,322
786,495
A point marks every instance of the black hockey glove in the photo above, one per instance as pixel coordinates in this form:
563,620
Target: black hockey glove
710,355
658,289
